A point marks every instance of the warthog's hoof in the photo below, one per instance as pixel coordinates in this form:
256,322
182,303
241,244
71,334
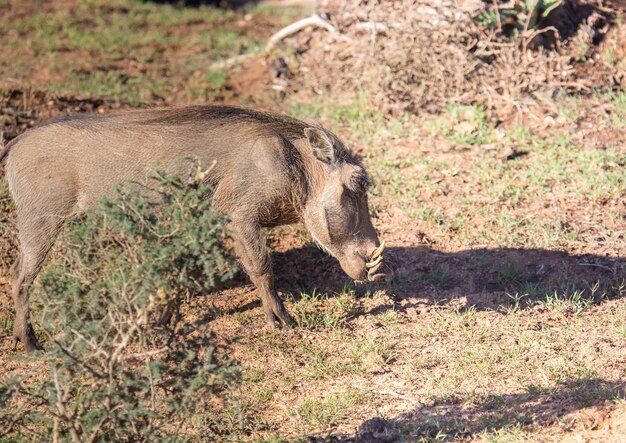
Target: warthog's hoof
282,320
277,316
27,337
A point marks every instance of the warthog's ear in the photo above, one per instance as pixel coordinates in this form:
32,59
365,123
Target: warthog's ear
321,144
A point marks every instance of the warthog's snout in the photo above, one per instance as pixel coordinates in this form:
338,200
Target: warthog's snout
366,267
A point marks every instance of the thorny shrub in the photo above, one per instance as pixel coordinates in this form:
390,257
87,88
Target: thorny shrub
121,363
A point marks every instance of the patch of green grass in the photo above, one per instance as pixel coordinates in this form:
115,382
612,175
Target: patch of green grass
6,322
512,433
465,125
438,276
574,302
226,43
216,78
567,296
109,84
311,312
208,86
271,439
264,394
389,319
377,351
330,411
618,100
553,173
519,300
428,214
322,362
434,429
127,49
122,26
390,178
346,303
253,376
509,276
356,114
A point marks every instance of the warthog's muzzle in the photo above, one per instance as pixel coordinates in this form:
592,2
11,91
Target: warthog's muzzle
374,265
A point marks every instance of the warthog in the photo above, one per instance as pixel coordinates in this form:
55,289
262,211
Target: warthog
268,170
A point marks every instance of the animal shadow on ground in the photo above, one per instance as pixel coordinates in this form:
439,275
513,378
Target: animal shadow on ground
452,420
483,278
487,279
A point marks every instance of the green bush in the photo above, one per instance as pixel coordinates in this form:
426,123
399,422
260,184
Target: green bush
522,15
122,364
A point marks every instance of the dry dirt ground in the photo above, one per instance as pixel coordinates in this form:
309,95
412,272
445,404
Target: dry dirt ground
506,316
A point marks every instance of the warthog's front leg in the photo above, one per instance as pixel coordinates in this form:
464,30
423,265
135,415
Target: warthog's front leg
255,257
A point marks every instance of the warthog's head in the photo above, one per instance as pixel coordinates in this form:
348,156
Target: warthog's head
337,213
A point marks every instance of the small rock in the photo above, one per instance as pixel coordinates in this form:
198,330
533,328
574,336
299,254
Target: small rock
464,127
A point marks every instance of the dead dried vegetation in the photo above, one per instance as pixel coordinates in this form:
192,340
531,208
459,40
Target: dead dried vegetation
416,56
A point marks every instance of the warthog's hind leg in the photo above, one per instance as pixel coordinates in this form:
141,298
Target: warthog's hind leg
23,274
255,257
36,236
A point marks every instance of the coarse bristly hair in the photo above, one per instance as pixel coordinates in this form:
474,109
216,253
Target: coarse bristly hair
257,122
264,122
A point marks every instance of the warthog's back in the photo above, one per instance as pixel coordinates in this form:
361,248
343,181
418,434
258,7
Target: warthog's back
82,158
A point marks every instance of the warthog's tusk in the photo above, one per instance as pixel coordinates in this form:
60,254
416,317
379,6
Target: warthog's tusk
374,263
379,250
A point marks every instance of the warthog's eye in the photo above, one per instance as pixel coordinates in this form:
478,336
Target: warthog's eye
349,193
358,182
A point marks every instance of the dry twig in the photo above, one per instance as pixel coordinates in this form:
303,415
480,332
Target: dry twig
315,21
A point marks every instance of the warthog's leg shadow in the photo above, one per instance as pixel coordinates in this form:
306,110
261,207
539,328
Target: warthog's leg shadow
255,256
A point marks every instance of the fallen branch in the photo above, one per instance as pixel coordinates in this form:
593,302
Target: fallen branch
315,20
